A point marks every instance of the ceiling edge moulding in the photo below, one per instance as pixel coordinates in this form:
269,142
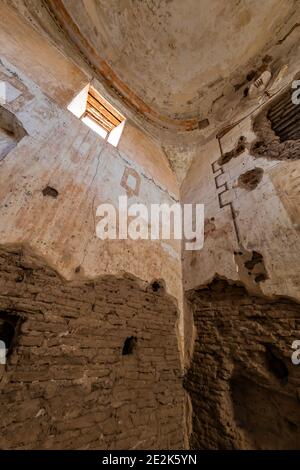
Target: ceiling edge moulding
105,73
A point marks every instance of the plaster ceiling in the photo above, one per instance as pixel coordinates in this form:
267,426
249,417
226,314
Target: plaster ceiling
178,69
170,59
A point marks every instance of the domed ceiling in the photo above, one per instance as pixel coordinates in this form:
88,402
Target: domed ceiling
172,60
182,70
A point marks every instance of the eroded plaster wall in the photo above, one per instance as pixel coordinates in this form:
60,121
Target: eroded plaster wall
242,291
246,213
62,153
58,172
52,180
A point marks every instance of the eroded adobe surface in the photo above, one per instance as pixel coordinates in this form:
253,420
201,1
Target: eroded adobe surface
277,130
245,391
67,384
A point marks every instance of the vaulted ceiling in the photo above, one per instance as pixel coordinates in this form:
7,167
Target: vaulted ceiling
171,58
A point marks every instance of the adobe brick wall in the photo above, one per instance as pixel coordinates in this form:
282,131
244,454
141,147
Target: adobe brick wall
66,384
244,389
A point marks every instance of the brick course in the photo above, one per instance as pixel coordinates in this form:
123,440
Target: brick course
245,391
66,383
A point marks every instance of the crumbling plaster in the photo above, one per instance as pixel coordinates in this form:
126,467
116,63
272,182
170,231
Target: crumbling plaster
58,173
61,152
262,222
243,385
225,237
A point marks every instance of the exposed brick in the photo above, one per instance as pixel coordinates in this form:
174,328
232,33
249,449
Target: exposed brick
241,380
67,384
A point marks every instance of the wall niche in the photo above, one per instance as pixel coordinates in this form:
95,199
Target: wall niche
11,132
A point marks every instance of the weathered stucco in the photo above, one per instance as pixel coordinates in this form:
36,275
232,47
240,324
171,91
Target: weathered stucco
240,220
195,81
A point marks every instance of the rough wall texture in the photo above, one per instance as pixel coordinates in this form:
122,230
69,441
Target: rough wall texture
272,146
61,152
241,219
67,384
245,391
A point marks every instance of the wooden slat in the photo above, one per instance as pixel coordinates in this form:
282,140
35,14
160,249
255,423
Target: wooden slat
102,101
101,112
90,111
99,107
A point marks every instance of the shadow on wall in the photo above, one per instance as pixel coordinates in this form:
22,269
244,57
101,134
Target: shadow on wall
269,419
244,389
11,132
94,365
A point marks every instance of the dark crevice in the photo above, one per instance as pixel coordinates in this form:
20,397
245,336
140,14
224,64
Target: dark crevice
51,192
129,346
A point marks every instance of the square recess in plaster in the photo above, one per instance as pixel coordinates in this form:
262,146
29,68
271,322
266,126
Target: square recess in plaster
131,182
8,93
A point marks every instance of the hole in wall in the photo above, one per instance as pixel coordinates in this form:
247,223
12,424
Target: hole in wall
98,114
203,124
284,117
278,130
246,91
8,330
251,179
252,264
155,286
255,259
251,75
267,59
260,278
129,346
51,192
